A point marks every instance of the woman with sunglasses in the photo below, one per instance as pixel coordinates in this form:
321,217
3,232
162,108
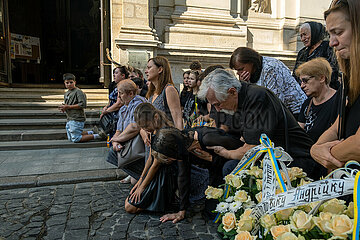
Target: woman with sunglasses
319,111
340,143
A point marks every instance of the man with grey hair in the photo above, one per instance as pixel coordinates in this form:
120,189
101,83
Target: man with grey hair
257,110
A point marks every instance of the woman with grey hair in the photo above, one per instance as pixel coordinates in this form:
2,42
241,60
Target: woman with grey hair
312,35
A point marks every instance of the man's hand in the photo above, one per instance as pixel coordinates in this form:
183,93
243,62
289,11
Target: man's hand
63,107
221,151
174,217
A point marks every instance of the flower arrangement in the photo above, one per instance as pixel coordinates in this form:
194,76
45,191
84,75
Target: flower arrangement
241,197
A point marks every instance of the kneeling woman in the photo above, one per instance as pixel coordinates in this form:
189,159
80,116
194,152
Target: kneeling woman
168,168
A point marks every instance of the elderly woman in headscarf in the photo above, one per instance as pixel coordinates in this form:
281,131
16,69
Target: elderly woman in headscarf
312,34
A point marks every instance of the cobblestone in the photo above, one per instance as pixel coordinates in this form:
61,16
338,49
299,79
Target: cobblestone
93,210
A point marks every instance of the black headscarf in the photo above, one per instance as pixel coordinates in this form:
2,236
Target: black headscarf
171,142
317,32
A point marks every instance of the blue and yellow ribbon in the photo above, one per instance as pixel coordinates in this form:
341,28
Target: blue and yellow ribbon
356,230
265,141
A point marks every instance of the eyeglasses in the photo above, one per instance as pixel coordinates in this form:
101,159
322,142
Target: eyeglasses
306,79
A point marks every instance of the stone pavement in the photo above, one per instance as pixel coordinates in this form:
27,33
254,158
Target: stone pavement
93,210
31,168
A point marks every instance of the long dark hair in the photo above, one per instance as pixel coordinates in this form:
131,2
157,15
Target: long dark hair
247,55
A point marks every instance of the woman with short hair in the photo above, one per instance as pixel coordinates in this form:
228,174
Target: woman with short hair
319,111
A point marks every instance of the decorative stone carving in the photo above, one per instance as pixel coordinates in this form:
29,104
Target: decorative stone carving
261,6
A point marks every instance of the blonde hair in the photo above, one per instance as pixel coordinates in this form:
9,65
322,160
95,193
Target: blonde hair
316,67
128,86
350,67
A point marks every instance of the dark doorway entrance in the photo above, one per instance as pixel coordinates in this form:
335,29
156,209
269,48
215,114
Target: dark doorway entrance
69,36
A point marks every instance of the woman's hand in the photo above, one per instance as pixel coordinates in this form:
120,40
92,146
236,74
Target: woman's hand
221,151
245,76
136,195
174,217
321,153
145,137
136,185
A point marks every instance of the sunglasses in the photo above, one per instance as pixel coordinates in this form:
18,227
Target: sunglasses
306,79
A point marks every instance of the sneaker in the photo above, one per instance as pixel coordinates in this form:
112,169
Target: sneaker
102,134
95,130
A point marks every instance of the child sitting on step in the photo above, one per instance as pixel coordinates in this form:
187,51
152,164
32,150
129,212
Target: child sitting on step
74,105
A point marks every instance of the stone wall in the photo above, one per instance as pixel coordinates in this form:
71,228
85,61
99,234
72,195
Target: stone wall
207,30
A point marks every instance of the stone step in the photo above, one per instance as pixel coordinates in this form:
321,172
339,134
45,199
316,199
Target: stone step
35,114
50,90
45,105
48,144
47,98
34,134
28,124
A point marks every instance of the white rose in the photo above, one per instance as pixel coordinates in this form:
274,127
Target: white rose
350,210
244,235
267,221
300,221
256,172
334,206
284,214
279,230
340,226
213,193
234,181
324,217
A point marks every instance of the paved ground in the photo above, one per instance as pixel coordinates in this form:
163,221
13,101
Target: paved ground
71,194
87,211
48,161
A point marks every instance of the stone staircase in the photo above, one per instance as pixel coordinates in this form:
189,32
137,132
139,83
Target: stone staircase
29,118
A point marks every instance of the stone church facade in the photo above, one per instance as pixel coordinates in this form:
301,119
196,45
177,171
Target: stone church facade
207,30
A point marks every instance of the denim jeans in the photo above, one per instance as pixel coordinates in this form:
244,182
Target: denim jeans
74,130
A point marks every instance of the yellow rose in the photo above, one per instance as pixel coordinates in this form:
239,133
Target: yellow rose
246,222
300,221
324,217
213,193
256,172
284,214
287,236
229,220
279,230
340,226
350,210
244,235
296,172
258,196
334,206
267,221
259,184
234,181
241,196
246,213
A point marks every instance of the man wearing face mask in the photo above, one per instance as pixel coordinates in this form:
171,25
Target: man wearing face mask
258,111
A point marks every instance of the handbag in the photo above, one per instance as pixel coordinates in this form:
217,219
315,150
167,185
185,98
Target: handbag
133,149
108,123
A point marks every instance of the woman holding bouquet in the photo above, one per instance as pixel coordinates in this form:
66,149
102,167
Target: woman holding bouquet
340,143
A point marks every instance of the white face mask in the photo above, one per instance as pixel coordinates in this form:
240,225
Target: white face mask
230,112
